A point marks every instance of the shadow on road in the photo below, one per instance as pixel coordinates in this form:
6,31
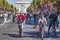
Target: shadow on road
12,35
51,35
34,34
38,35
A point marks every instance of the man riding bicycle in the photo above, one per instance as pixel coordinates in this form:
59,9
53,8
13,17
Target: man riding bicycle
20,20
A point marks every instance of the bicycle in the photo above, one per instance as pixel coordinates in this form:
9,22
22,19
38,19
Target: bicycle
20,27
20,30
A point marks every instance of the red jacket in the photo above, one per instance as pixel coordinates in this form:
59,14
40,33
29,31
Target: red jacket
18,17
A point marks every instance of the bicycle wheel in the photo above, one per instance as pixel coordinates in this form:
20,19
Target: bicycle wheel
42,35
20,31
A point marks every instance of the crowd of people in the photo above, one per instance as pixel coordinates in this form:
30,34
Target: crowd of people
52,19
5,15
42,18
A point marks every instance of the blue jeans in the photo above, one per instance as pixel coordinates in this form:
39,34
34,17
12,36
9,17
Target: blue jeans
52,24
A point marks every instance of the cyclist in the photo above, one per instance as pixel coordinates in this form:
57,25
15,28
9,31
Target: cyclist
20,19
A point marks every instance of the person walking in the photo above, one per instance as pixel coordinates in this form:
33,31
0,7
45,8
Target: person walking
53,19
13,17
35,19
42,24
5,17
28,16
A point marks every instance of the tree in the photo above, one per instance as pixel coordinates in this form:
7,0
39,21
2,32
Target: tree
41,3
1,3
8,7
4,4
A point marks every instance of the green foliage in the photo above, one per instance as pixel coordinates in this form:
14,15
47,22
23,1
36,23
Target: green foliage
8,6
5,5
1,3
40,3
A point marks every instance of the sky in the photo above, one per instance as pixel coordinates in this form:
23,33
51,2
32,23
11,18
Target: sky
13,2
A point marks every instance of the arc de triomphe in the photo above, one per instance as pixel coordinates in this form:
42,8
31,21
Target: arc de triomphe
22,5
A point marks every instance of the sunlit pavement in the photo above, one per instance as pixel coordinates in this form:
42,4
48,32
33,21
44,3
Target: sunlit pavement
9,31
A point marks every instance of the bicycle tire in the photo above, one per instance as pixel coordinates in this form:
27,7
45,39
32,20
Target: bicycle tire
20,31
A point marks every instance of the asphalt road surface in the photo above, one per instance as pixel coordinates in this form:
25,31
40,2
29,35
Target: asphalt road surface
9,31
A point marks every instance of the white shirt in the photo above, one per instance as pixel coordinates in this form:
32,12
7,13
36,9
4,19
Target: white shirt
59,18
42,21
